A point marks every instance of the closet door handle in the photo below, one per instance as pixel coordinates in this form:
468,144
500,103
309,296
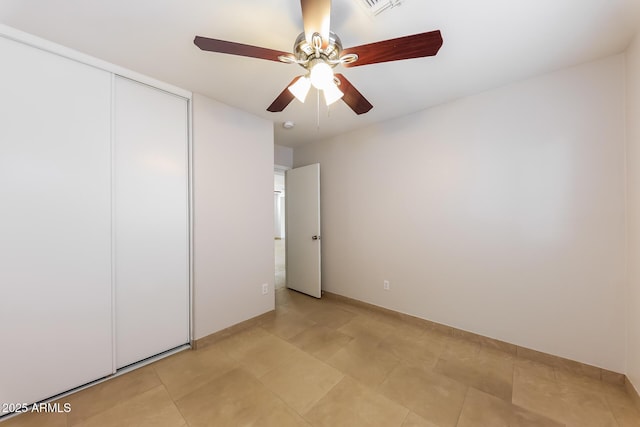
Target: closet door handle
315,237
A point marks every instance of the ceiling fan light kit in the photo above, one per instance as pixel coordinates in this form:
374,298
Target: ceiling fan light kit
319,50
300,88
319,63
332,93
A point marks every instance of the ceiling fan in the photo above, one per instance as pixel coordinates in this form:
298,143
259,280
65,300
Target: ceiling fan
319,50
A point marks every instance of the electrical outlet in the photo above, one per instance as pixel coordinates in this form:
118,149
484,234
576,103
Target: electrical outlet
385,285
265,288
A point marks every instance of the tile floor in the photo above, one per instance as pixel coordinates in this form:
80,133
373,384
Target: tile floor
325,363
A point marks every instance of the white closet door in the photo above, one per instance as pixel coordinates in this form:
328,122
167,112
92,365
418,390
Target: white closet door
151,221
55,224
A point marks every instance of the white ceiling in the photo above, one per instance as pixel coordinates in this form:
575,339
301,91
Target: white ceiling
487,43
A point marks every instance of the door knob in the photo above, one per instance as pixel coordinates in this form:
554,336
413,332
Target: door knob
315,237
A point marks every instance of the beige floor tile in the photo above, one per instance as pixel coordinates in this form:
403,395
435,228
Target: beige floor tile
483,409
327,363
350,404
530,367
573,379
280,416
494,344
367,329
620,398
584,407
564,401
108,394
436,398
36,419
282,297
188,370
459,349
364,361
610,392
239,343
435,337
153,408
388,318
302,381
585,416
538,394
261,354
413,420
626,415
287,324
299,302
495,356
557,362
590,402
612,377
412,331
331,316
236,398
320,341
412,350
355,309
489,370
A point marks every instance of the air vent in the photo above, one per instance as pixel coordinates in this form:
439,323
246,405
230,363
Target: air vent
376,7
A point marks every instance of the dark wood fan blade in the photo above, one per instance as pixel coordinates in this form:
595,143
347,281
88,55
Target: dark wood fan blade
233,48
316,18
415,46
284,99
352,97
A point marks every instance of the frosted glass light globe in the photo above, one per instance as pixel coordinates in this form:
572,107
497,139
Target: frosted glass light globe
300,89
332,94
321,75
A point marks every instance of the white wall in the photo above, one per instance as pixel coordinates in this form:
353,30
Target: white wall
633,203
283,156
233,215
501,213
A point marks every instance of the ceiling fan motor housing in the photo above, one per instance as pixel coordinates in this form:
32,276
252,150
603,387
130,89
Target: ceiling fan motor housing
305,51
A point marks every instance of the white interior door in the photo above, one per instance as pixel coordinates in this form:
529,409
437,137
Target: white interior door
303,229
55,224
151,221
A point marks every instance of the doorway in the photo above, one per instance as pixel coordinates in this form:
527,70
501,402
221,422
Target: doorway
279,228
298,253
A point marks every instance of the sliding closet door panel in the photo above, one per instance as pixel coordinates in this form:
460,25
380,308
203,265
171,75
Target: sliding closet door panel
151,221
55,224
